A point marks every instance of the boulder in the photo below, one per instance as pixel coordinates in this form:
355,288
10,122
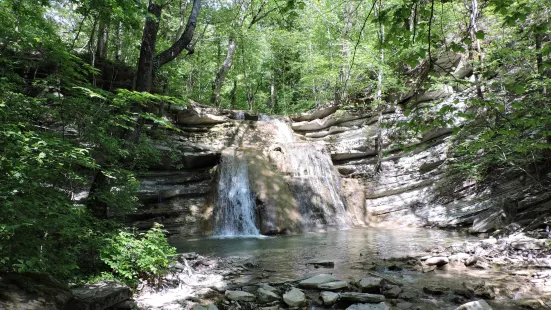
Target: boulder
294,298
475,305
393,292
32,291
370,285
99,296
437,261
239,296
361,297
266,296
329,298
379,306
333,286
315,281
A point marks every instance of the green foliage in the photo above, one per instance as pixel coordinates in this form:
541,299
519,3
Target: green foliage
133,256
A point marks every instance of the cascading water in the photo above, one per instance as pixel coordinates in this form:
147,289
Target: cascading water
235,212
284,132
317,187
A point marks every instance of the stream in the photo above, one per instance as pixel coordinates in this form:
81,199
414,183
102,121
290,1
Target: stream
356,253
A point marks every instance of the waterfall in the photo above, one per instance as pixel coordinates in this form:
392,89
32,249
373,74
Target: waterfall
235,212
284,132
317,187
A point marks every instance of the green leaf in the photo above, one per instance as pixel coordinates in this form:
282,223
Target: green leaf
480,35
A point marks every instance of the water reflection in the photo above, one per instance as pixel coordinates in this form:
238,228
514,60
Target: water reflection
288,255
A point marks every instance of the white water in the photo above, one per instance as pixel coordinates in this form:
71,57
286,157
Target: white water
235,212
285,133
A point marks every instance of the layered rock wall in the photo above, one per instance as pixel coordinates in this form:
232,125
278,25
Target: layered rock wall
411,185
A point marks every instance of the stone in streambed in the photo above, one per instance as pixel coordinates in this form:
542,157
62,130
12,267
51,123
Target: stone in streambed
100,295
207,307
294,298
475,305
333,286
393,292
362,297
265,296
437,261
435,289
370,285
379,306
329,298
315,281
268,288
239,296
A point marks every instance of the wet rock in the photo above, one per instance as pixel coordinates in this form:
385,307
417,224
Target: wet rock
322,264
269,308
471,261
479,289
315,281
268,288
126,305
411,296
379,306
361,297
459,258
99,296
475,305
435,289
207,307
392,292
266,296
437,261
529,244
404,305
370,285
333,286
239,296
329,298
294,298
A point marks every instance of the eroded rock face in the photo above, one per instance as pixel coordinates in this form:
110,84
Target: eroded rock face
411,186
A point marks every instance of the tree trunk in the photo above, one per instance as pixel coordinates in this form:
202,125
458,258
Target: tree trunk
144,75
223,71
476,45
103,37
233,94
118,56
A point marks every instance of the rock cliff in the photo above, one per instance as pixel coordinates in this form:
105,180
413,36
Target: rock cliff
410,185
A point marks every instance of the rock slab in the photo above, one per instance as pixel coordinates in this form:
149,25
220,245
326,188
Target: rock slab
329,298
333,286
266,296
239,296
99,296
315,281
370,285
294,298
362,297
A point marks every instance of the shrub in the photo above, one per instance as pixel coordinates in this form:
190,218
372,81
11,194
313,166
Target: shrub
133,256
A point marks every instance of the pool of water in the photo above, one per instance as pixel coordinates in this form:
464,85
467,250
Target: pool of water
288,256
